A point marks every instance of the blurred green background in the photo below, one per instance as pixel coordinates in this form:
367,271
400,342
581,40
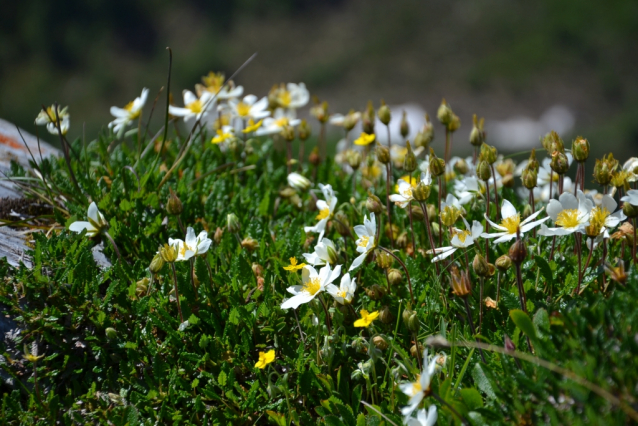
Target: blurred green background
497,58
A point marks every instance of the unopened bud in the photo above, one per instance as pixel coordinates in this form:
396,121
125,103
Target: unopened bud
258,270
436,230
385,315
341,224
461,167
460,282
380,343
630,210
232,223
383,259
373,204
421,192
394,277
454,124
384,113
375,292
409,161
604,168
503,263
168,253
417,212
489,153
304,130
354,159
483,170
402,240
437,165
580,149
391,231
288,133
529,178
406,314
480,266
426,135
518,252
174,205
351,120
333,257
417,350
413,323
367,124
383,154
141,287
431,212
444,113
250,244
156,264
287,192
477,135
314,157
532,163
111,333
219,233
320,112
405,126
559,163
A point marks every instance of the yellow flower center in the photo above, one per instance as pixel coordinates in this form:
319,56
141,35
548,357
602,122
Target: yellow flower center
511,223
243,110
363,242
195,106
213,81
323,214
462,235
281,122
284,98
129,106
416,386
568,218
341,294
312,286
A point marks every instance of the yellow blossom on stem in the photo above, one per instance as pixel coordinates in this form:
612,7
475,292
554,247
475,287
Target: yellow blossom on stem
365,139
293,267
366,318
252,126
222,136
265,358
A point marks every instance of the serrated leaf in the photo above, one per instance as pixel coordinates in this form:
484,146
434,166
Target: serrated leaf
222,378
522,321
234,316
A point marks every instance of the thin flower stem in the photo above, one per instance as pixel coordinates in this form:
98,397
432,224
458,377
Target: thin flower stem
412,229
551,182
289,155
498,287
471,323
580,271
387,278
325,309
404,268
482,285
498,212
117,251
179,307
426,219
387,202
181,226
387,126
301,154
440,229
487,224
303,339
605,259
521,296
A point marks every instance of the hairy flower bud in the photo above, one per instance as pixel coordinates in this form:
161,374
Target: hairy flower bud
630,210
404,128
480,266
174,205
304,130
461,167
416,350
383,153
156,264
454,124
417,212
406,314
604,169
384,113
373,204
288,133
421,192
110,333
385,315
354,159
559,163
375,292
489,153
460,282
258,270
232,223
383,259
580,149
503,263
436,230
529,178
477,135
394,277
444,113
483,170
320,111
409,161
426,135
413,324
341,223
437,165
552,142
380,343
219,233
532,162
351,120
402,240
518,251
169,253
141,287
314,158
250,244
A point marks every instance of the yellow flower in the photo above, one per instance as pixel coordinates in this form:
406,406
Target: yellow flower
366,318
293,265
252,126
410,179
265,358
365,139
222,136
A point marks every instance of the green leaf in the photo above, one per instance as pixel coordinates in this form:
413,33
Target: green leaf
193,320
222,379
541,321
361,420
523,322
356,398
472,398
234,316
543,266
279,419
264,205
482,381
332,420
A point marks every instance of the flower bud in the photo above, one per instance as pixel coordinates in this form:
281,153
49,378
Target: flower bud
436,230
489,153
385,315
490,303
580,149
454,124
383,154
630,210
320,112
156,264
461,167
169,253
409,161
431,212
304,130
383,259
288,133
314,157
373,204
384,113
477,135
483,170
359,345
444,113
341,224
111,333
479,264
421,192
391,232
174,205
402,240
437,165
375,292
258,270
232,223
552,142
449,215
406,314
250,244
460,282
532,163
219,233
503,263
141,287
287,192
529,178
351,120
380,343
559,163
508,344
354,159
426,135
413,323
367,124
333,257
394,277
417,212
508,181
405,126
620,179
417,350
299,182
518,252
527,211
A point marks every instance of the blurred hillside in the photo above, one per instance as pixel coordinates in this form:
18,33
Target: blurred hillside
497,58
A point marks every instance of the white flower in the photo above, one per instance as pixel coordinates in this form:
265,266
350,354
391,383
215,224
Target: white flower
601,218
294,96
416,390
276,123
297,181
631,197
326,210
546,179
214,84
631,166
511,223
403,198
95,224
132,110
460,239
249,107
570,213
313,283
325,252
194,107
50,118
423,418
366,241
345,292
468,189
193,245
